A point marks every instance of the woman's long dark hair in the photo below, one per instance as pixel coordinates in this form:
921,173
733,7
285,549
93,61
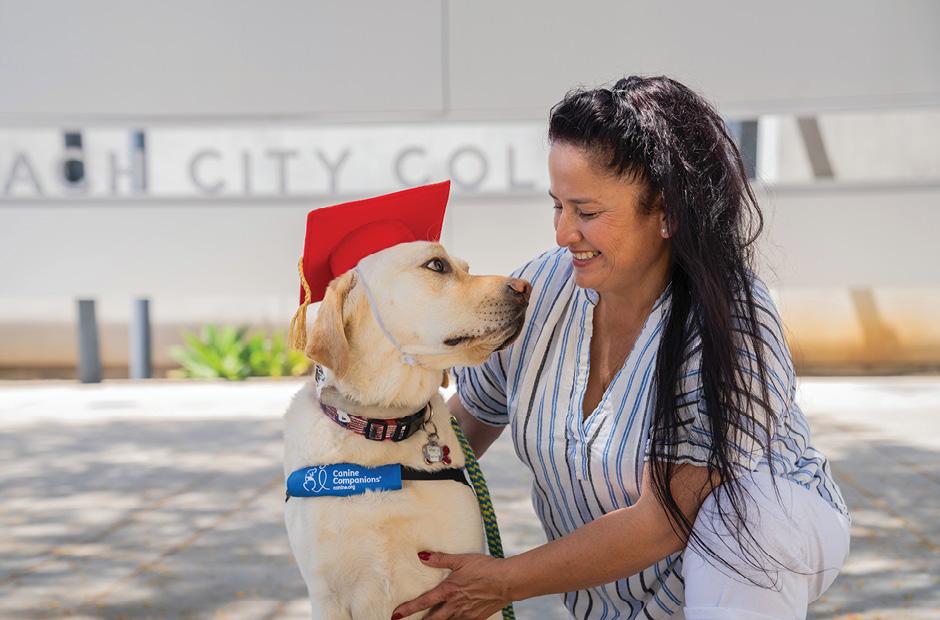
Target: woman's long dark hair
658,131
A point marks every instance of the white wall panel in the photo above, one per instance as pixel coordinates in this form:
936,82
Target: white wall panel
236,263
105,59
181,250
853,236
108,58
520,57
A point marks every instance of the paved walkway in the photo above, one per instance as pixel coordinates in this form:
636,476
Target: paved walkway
163,500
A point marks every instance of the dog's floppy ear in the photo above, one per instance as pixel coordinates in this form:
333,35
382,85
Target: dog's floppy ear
328,344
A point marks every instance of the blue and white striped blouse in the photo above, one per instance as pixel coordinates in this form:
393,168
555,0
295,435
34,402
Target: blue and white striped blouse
584,468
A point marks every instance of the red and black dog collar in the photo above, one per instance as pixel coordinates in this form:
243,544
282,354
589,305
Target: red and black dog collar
377,429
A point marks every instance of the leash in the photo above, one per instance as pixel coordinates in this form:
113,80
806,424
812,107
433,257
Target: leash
493,541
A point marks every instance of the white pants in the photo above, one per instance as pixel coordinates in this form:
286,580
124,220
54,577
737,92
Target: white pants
807,537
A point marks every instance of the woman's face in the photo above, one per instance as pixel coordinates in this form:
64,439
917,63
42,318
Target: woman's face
614,244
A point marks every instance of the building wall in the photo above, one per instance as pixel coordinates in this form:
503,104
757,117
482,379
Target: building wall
850,258
107,59
856,281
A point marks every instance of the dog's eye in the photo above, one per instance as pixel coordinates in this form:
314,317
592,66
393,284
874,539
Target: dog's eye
438,264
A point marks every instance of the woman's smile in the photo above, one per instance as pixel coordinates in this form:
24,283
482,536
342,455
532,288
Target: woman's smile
582,259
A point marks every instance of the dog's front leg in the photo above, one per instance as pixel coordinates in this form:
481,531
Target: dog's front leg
319,612
379,599
325,606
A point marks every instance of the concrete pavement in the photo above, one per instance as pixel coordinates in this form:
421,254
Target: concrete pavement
162,500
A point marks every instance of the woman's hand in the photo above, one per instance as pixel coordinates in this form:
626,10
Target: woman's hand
476,588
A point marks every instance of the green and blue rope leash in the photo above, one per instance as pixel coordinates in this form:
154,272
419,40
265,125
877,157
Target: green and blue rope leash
490,526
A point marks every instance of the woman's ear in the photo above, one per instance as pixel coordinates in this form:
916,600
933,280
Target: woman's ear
328,344
665,226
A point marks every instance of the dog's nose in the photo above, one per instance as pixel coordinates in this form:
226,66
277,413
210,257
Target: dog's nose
520,288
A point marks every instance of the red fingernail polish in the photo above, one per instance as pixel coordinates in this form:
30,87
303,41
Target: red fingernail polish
396,617
424,555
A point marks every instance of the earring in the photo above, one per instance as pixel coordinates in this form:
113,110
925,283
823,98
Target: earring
664,231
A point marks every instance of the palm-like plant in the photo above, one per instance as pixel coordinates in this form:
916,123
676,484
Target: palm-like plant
231,353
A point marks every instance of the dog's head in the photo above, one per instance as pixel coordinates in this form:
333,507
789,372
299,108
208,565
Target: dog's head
427,300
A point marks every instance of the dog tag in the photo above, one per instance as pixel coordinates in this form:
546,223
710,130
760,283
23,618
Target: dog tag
433,453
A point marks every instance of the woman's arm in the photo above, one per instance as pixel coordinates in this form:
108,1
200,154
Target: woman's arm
619,544
481,436
614,546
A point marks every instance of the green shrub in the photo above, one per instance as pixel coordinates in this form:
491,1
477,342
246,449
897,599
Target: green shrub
232,353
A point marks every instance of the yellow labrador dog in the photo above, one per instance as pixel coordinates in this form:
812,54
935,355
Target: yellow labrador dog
383,338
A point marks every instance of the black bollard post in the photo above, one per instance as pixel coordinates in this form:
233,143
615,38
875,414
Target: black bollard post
89,357
141,366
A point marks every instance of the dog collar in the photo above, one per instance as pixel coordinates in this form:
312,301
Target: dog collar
377,429
345,479
397,428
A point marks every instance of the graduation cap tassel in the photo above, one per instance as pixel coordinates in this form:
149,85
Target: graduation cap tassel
297,336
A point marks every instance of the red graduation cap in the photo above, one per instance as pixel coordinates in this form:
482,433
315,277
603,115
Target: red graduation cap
338,237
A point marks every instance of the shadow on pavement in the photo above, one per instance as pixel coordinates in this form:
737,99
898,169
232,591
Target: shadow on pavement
182,518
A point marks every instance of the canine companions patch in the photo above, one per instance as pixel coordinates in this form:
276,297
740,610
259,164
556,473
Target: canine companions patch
343,479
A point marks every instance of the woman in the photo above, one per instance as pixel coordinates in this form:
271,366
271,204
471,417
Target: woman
651,391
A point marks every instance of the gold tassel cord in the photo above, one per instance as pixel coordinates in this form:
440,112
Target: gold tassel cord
297,335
